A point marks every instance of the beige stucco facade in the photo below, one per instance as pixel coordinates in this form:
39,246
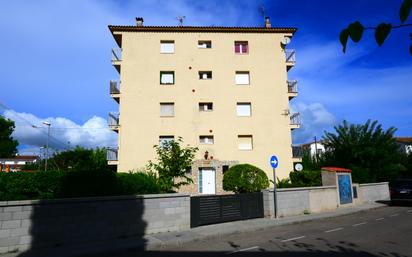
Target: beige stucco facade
140,122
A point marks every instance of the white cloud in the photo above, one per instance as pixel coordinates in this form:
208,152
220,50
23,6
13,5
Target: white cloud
315,119
31,132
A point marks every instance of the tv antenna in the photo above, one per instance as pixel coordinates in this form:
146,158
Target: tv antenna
181,19
261,10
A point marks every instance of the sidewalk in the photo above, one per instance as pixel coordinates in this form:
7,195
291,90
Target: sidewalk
160,240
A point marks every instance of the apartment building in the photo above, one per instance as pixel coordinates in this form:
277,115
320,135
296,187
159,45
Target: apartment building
224,90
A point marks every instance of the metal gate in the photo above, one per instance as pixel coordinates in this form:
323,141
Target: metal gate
222,208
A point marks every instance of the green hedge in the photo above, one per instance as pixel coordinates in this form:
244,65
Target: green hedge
65,184
245,178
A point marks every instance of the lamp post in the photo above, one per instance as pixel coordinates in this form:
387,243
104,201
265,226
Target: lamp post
48,124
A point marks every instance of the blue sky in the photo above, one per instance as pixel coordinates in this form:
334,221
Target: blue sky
56,62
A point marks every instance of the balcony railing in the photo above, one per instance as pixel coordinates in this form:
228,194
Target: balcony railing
112,154
114,87
113,120
297,152
290,55
293,86
116,54
295,119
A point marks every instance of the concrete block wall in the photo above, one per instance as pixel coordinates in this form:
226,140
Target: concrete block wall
374,191
103,221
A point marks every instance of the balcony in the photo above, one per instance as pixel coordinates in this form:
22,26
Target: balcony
115,90
297,153
290,56
295,121
116,58
112,155
292,89
113,121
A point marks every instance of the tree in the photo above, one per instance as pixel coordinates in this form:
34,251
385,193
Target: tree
245,178
371,152
355,30
172,163
80,159
8,146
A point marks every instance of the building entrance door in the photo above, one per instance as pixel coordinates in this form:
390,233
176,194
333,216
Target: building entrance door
208,181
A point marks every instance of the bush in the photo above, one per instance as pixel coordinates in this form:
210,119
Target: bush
305,178
65,184
137,183
245,178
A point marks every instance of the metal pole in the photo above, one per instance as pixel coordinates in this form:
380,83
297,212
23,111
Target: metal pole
316,150
275,202
47,143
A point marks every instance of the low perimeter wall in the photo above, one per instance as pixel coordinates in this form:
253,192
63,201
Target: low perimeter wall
98,222
305,200
374,192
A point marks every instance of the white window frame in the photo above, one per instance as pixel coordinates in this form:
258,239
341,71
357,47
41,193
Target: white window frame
204,44
205,106
164,76
163,139
167,46
244,109
206,140
163,109
243,146
242,78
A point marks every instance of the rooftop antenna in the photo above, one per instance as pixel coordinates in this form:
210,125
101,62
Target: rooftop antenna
262,10
181,19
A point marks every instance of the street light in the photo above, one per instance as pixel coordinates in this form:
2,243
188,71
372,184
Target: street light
48,124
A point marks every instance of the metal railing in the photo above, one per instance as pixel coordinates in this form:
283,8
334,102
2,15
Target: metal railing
293,86
295,119
290,55
116,54
114,87
297,152
113,119
112,154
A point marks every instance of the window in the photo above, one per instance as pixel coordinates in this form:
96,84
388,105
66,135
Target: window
164,139
167,77
225,168
188,170
205,75
245,142
242,78
204,44
205,107
208,140
167,109
243,109
241,47
167,47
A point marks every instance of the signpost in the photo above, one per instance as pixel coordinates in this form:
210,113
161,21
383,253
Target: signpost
274,163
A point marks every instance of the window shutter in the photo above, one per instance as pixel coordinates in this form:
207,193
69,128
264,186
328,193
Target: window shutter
245,142
167,78
243,109
167,109
242,78
167,47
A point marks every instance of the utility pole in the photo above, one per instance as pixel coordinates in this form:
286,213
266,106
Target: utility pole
316,150
48,124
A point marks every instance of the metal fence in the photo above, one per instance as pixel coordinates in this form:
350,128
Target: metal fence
114,87
210,209
290,55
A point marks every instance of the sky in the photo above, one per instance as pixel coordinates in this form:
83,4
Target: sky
56,63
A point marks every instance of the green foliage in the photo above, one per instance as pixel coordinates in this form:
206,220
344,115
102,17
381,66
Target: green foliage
309,162
306,178
172,162
32,166
137,183
371,152
355,30
30,185
8,146
245,178
66,184
79,159
283,183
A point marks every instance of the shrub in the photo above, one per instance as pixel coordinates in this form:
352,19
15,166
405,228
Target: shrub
245,178
137,183
30,185
305,178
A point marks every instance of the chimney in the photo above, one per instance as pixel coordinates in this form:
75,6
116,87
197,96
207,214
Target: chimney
267,22
139,21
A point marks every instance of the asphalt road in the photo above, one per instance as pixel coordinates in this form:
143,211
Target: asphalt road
384,231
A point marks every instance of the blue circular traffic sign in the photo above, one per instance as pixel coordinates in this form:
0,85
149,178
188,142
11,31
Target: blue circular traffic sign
274,161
